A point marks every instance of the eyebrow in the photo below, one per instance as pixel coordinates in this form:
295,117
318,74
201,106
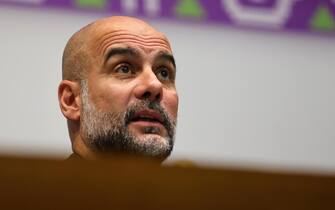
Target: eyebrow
134,53
120,51
168,57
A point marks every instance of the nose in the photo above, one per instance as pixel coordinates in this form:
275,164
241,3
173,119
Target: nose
149,87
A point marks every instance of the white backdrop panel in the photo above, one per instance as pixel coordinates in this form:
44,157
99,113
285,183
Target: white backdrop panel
248,98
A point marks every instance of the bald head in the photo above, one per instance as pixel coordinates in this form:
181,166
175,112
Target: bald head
85,46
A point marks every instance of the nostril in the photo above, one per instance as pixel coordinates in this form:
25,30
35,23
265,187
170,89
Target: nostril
146,95
158,96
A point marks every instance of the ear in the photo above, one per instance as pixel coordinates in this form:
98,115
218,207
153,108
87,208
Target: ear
69,99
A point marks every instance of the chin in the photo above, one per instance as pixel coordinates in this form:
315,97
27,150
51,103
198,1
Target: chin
151,141
152,137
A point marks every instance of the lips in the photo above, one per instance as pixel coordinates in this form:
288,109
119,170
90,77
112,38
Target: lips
147,116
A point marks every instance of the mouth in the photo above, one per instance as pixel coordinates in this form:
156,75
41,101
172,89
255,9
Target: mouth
147,117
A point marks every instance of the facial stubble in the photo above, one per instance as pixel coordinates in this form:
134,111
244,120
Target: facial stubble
107,131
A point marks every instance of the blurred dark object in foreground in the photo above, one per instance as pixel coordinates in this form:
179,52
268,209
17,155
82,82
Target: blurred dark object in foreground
127,183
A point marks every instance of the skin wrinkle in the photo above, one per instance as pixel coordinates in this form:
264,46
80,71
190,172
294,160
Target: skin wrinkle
134,41
140,44
109,35
124,32
122,40
150,39
146,42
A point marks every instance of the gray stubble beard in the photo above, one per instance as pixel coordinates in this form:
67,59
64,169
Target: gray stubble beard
107,132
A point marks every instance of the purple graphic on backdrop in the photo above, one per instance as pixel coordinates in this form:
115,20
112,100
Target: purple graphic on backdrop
259,3
274,14
302,15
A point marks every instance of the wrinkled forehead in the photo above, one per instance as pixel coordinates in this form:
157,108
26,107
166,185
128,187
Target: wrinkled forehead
105,36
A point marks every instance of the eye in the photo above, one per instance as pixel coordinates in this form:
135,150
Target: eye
123,68
163,73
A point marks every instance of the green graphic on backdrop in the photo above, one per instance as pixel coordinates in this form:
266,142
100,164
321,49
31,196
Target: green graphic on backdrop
323,19
91,3
190,8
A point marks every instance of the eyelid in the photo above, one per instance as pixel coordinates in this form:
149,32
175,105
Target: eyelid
119,65
167,66
122,64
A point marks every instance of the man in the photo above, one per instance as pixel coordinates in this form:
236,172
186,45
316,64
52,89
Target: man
118,90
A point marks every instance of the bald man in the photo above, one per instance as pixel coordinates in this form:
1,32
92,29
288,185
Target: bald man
118,91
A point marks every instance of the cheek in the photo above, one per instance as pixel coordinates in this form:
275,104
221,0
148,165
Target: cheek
111,96
170,102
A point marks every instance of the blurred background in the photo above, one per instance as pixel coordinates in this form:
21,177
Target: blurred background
256,78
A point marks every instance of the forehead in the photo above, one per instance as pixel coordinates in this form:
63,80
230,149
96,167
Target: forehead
107,36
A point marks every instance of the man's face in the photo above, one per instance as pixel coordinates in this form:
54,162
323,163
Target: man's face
129,101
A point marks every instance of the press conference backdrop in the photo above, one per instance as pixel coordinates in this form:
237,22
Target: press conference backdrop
252,95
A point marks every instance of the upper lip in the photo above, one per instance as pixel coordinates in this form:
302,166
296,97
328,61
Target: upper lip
149,114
